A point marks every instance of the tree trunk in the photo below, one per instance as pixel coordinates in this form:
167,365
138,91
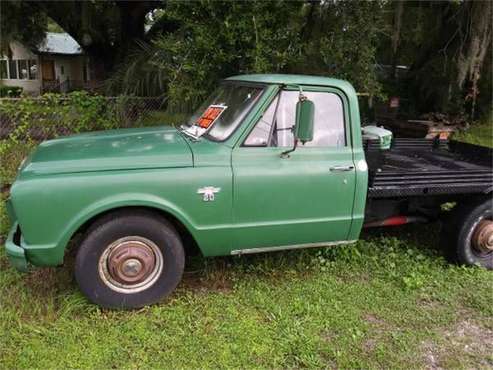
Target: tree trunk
396,33
473,48
105,30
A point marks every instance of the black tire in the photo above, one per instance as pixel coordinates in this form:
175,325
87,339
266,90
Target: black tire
151,228
458,229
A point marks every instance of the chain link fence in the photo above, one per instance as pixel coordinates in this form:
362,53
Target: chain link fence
42,118
26,121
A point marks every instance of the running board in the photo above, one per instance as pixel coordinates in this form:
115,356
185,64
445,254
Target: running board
288,247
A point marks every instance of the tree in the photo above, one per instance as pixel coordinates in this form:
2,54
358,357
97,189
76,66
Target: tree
106,30
18,21
218,39
476,41
396,34
212,40
446,44
190,45
343,43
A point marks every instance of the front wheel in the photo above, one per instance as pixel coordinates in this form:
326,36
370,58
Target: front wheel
468,236
129,259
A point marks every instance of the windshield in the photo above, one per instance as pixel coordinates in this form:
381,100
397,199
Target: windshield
235,102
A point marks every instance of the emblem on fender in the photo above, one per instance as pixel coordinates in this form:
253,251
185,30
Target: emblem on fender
208,193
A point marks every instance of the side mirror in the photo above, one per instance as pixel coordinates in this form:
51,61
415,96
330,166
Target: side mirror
305,112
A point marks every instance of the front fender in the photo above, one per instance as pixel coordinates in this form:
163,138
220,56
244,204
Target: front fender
53,254
51,209
120,201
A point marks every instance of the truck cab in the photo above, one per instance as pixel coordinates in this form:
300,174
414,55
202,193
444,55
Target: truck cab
306,197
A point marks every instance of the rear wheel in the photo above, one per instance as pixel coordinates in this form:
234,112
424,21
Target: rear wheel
129,259
468,235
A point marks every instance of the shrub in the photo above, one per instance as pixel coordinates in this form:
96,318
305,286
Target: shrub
25,122
10,91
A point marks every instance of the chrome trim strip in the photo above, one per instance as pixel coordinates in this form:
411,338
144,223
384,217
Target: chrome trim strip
287,247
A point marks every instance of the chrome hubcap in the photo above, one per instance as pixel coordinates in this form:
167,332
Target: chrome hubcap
131,264
482,238
132,267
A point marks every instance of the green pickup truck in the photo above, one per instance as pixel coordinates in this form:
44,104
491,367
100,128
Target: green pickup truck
267,163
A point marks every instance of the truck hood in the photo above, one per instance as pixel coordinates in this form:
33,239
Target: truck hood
125,149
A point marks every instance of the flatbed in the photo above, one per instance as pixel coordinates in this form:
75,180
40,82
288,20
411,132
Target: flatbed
417,167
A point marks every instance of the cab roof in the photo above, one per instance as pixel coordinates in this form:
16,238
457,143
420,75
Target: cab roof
291,79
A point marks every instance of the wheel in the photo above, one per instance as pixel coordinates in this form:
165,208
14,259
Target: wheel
129,259
468,235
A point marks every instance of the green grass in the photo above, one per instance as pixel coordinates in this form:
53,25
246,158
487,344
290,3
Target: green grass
385,302
480,133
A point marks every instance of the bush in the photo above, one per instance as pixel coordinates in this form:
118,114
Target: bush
10,91
25,122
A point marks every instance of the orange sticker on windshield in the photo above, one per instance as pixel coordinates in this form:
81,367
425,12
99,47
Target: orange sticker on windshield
210,115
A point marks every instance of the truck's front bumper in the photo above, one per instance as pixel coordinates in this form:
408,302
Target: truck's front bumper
15,252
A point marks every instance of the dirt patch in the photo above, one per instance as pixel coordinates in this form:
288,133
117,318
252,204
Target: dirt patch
430,354
377,322
356,277
467,342
379,330
198,282
474,340
329,336
428,304
369,345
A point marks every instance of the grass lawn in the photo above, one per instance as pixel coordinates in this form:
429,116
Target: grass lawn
385,302
480,133
389,301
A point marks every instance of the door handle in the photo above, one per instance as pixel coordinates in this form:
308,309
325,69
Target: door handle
341,168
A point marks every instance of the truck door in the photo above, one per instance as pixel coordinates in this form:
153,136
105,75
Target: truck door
306,198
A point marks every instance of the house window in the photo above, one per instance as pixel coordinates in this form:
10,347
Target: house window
23,69
13,69
62,70
3,69
33,70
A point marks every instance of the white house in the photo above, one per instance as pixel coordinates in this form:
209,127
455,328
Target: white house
57,64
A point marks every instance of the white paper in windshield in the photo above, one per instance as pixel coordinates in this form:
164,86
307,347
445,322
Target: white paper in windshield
205,122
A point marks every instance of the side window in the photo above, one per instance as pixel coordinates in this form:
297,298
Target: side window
328,125
261,132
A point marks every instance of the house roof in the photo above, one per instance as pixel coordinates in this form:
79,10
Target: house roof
59,43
